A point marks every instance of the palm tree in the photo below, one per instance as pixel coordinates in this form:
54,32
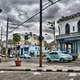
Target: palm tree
26,38
16,40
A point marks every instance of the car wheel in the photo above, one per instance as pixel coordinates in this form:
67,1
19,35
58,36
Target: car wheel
61,60
69,60
28,57
74,58
48,60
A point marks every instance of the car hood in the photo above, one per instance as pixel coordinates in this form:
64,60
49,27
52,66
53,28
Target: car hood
66,55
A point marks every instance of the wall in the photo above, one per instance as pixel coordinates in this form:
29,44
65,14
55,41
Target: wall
72,22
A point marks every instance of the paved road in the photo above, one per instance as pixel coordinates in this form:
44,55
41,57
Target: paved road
20,75
36,60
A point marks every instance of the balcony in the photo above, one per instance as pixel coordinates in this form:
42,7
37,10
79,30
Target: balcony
71,36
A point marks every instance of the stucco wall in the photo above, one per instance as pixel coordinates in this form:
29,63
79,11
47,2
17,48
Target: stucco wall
72,22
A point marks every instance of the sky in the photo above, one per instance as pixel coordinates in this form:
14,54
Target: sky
20,10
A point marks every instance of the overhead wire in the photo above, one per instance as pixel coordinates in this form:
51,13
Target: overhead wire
27,19
34,15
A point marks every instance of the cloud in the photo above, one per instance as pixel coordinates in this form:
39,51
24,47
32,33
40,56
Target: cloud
51,13
21,10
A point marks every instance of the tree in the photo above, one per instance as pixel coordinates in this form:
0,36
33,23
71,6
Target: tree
27,37
16,39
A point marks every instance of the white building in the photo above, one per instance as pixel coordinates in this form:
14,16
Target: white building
69,33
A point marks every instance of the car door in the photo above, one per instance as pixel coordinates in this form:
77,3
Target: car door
55,56
51,56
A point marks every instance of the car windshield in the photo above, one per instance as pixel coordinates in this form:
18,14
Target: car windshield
64,52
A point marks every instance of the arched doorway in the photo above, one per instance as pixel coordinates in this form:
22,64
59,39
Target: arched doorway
67,28
78,26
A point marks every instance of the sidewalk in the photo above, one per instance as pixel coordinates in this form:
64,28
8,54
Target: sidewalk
26,66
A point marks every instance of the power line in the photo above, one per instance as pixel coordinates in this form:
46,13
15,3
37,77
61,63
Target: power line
27,19
34,15
44,3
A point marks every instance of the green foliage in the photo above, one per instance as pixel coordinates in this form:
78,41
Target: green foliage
4,50
26,37
17,54
16,38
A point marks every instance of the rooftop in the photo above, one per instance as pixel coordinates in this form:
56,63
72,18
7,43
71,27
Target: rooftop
65,18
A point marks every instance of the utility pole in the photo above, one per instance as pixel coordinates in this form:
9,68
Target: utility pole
7,39
1,34
40,36
1,39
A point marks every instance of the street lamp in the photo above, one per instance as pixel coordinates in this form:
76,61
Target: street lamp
52,26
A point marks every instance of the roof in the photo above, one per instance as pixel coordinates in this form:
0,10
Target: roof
69,17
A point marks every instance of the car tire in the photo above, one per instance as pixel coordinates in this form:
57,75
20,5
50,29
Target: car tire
48,60
69,60
61,60
28,57
74,58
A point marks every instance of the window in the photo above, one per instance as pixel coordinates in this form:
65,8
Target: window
78,26
59,30
54,53
21,51
67,28
26,48
73,28
35,47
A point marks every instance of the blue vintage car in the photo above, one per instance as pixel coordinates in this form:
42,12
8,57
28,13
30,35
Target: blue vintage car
58,56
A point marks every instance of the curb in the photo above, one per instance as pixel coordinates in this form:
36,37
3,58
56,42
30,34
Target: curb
42,70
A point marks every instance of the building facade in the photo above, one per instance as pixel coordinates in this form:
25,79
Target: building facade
69,33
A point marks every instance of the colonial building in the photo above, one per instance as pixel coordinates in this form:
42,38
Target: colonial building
69,33
31,39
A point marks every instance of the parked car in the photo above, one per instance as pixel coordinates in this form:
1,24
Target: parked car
26,56
74,55
58,56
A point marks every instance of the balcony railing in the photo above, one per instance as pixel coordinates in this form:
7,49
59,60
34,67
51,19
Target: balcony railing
71,35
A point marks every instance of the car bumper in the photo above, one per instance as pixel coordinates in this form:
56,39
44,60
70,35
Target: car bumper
68,59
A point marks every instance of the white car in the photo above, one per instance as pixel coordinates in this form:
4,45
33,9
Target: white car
26,56
58,56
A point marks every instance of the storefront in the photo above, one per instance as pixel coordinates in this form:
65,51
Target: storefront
71,45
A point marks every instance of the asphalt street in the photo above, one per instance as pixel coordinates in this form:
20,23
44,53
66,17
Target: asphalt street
35,60
24,75
69,64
